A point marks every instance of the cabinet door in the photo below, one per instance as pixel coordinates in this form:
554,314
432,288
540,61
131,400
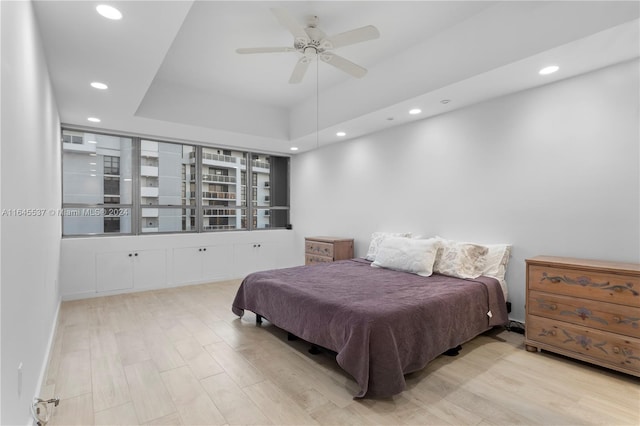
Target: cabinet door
149,269
217,262
114,271
187,265
255,257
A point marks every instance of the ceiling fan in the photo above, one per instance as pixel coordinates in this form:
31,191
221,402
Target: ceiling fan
314,44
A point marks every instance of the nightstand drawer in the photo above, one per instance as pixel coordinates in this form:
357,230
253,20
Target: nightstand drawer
601,315
311,259
327,249
318,248
614,288
588,344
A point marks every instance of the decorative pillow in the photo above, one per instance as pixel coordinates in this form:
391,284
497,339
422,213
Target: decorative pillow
377,238
407,255
462,260
496,263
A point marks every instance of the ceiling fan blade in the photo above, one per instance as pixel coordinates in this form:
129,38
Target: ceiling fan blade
287,21
350,37
343,64
244,50
300,70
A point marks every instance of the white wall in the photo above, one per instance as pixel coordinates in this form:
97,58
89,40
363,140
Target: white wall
30,178
552,170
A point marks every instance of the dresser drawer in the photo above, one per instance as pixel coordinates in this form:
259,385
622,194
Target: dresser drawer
318,248
597,346
601,315
310,259
607,287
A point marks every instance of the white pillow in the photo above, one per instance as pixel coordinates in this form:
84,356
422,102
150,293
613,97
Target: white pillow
462,260
377,238
496,264
407,255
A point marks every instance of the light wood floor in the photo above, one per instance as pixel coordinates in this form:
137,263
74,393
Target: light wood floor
179,356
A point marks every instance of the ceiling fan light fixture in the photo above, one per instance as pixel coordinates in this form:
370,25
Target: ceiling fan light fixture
313,43
94,119
293,148
415,111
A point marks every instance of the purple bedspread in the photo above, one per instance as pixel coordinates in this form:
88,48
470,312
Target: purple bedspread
383,324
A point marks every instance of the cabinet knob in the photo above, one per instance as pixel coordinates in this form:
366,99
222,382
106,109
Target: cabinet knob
617,320
259,245
553,307
616,350
199,249
204,249
130,255
136,254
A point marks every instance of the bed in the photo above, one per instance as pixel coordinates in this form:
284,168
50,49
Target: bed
382,323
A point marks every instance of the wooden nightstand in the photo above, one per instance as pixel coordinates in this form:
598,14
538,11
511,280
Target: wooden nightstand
327,249
585,309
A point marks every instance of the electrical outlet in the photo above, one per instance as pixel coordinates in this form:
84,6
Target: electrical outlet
19,379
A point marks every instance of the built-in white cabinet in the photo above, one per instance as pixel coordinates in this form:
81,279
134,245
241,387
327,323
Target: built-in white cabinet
130,269
253,257
92,267
201,264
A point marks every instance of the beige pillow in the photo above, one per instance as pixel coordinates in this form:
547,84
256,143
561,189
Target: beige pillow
462,260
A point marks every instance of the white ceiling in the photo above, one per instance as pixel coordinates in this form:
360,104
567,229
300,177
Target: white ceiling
173,72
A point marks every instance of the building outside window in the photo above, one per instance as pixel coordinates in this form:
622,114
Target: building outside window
178,187
167,187
96,172
224,204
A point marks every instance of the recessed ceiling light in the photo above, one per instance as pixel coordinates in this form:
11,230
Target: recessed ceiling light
341,134
93,119
294,148
93,154
99,86
92,164
109,12
92,142
127,179
93,175
415,111
549,70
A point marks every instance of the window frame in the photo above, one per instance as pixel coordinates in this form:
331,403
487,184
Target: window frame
136,206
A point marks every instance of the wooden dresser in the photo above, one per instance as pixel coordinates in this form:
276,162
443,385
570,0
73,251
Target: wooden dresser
327,249
585,309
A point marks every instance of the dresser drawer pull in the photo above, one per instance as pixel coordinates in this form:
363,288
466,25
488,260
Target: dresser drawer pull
586,281
553,307
616,350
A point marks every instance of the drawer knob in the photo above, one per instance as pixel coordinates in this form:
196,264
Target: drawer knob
618,289
553,307
616,350
617,320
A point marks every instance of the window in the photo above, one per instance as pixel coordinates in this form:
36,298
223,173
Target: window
270,191
224,203
167,187
91,166
178,187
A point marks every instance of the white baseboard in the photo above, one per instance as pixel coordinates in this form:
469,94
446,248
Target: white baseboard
45,362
